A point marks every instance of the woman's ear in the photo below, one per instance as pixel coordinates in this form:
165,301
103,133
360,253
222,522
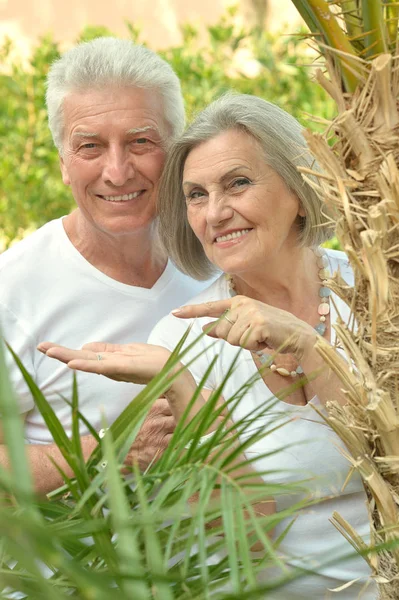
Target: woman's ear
301,210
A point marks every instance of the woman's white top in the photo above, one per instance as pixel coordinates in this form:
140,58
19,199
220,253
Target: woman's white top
307,450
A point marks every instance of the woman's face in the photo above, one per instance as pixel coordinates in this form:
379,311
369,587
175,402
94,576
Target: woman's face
239,208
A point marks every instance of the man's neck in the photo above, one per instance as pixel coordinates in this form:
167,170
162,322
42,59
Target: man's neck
134,259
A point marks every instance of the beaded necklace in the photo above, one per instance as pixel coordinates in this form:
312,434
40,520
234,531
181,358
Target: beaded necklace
323,310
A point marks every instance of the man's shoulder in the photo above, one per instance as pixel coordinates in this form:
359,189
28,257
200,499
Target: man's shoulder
26,250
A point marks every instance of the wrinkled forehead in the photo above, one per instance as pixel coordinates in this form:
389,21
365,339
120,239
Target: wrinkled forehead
231,145
135,107
235,137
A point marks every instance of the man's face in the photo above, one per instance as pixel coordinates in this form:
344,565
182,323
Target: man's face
113,156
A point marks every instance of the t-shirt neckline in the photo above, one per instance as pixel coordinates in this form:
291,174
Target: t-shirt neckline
86,266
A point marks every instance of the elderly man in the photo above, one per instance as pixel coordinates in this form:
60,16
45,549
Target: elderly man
98,273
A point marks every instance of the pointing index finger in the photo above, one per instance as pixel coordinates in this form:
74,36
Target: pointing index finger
207,309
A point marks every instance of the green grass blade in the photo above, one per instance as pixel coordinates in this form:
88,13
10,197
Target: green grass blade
52,422
13,432
127,546
153,550
228,520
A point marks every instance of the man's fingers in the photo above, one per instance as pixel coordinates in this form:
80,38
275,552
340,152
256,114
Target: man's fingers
161,424
161,407
208,309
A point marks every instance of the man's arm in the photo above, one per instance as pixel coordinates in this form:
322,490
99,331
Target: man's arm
45,476
150,443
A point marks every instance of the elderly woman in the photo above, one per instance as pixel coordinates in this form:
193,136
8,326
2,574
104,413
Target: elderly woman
232,199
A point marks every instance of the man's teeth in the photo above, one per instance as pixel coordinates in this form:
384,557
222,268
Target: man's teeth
232,236
121,198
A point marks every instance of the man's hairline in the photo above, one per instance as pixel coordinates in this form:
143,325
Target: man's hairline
168,126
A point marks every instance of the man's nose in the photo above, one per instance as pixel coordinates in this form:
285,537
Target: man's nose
119,167
218,209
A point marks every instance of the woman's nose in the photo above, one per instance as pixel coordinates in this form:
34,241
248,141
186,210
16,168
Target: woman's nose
218,210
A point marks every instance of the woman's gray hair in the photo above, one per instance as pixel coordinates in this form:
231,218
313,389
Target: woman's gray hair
285,149
108,61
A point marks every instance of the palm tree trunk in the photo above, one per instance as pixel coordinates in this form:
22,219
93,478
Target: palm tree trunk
359,155
361,192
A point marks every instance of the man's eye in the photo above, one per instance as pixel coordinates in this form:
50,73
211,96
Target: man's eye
89,146
141,141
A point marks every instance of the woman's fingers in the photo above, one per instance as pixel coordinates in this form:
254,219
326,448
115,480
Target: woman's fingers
242,333
44,346
208,309
92,346
118,368
107,347
134,363
97,347
65,355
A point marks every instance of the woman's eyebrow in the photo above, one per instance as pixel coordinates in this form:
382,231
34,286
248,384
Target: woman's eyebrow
223,178
231,172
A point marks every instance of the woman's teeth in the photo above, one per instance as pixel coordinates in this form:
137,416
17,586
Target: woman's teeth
232,236
121,198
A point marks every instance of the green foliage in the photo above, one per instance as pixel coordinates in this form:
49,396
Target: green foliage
32,191
280,69
107,535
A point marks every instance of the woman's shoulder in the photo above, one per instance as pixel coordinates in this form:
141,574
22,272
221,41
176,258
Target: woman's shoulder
170,329
218,290
339,262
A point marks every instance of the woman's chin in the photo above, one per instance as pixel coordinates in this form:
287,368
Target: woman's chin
232,267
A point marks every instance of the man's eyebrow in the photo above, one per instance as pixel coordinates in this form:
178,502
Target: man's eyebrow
84,134
135,130
224,177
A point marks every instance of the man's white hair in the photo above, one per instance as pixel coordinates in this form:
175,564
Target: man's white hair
106,62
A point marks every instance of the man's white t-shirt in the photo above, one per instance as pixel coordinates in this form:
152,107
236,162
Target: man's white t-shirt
304,448
50,292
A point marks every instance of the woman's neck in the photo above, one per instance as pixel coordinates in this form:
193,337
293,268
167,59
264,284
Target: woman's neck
285,282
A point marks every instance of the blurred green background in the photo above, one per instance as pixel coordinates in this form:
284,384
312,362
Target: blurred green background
275,67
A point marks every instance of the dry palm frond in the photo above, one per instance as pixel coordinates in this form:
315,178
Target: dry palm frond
359,154
360,187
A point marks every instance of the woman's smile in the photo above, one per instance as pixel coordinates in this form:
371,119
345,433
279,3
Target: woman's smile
234,197
231,237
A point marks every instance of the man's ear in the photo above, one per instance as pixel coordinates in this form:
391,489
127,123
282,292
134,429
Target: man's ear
64,171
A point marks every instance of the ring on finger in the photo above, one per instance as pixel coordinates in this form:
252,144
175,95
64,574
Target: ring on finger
99,357
228,320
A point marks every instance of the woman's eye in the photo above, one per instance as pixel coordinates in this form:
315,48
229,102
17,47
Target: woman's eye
240,181
195,197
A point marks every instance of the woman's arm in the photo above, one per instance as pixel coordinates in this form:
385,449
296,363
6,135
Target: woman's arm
257,326
139,363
